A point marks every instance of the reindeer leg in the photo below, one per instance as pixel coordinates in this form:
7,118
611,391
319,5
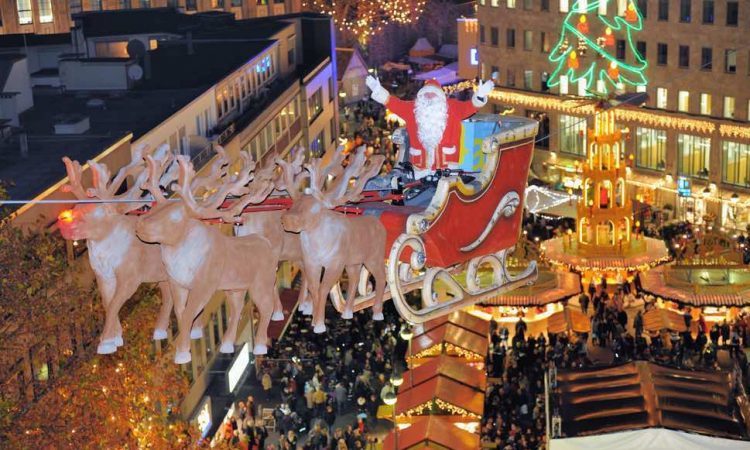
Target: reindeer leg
162,322
352,273
263,300
236,301
305,299
196,299
330,277
196,332
313,282
110,337
278,309
377,269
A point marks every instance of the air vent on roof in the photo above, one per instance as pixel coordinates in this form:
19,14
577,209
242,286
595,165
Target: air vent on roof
72,124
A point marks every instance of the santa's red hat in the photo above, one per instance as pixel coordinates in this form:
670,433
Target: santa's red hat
433,82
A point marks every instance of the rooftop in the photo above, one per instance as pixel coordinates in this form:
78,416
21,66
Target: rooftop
133,21
31,40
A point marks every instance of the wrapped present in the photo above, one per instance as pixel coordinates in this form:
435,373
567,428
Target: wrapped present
473,132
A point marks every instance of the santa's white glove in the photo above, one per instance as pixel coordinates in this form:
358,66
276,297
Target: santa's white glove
379,94
480,96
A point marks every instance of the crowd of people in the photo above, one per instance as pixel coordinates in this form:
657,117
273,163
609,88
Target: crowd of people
338,373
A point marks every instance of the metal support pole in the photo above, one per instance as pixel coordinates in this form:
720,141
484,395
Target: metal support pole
546,407
410,364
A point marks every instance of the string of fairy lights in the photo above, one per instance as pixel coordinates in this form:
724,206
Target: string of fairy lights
365,18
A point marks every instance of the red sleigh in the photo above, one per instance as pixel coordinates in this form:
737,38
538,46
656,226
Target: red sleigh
465,227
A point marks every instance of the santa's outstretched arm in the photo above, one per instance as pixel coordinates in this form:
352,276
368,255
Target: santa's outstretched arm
480,95
379,94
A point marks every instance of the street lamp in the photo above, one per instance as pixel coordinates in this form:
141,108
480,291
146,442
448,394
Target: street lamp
396,379
390,399
406,334
706,192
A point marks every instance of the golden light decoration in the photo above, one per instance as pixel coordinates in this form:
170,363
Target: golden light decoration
366,17
734,131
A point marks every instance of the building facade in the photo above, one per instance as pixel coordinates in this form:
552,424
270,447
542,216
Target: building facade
54,16
693,131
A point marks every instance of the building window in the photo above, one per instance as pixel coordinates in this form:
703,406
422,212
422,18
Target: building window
482,2
481,34
693,153
621,7
45,11
733,13
528,79
333,130
191,5
563,84
620,50
511,38
528,39
662,54
582,91
495,74
511,78
664,10
511,3
735,163
124,4
683,101
582,6
684,54
685,6
603,8
291,53
236,3
494,36
641,47
564,6
544,5
545,42
315,104
145,3
495,3
707,58
95,5
661,98
643,8
331,93
544,87
651,148
729,107
24,12
572,135
706,104
316,145
528,4
708,11
730,61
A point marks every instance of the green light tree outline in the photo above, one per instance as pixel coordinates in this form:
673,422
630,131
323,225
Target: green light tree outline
592,71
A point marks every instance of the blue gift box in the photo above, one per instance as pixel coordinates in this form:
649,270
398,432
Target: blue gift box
473,132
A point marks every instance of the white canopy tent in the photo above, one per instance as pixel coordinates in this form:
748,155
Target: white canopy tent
445,75
648,439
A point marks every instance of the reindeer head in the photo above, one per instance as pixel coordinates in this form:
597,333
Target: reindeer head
307,209
96,220
168,221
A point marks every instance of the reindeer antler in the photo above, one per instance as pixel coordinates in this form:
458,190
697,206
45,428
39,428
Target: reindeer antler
360,168
155,170
236,186
218,171
292,174
103,188
75,182
319,175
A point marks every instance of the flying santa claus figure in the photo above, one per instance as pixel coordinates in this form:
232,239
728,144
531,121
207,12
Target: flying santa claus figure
433,122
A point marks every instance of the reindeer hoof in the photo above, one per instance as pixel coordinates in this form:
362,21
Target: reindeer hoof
226,347
182,357
378,316
260,349
306,309
160,334
106,348
118,341
196,333
320,328
347,314
277,316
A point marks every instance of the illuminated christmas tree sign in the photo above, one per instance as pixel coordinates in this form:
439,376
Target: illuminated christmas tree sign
587,46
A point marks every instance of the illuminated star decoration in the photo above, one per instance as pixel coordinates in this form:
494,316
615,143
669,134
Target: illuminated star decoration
599,67
364,18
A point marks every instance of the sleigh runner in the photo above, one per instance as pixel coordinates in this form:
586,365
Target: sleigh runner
467,226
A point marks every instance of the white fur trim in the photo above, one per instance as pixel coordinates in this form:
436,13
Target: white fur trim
414,152
380,95
449,150
478,103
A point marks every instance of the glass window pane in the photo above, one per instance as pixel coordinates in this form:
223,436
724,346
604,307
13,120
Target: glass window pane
573,135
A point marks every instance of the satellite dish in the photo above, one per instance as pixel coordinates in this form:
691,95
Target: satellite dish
136,48
135,72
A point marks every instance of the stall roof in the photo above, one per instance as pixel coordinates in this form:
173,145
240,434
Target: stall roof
462,319
549,288
450,334
422,48
444,389
450,367
444,75
432,430
661,318
569,319
697,293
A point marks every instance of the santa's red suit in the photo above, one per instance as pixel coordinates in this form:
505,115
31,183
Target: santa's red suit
425,117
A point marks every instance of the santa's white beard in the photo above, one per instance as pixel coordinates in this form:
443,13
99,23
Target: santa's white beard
432,118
